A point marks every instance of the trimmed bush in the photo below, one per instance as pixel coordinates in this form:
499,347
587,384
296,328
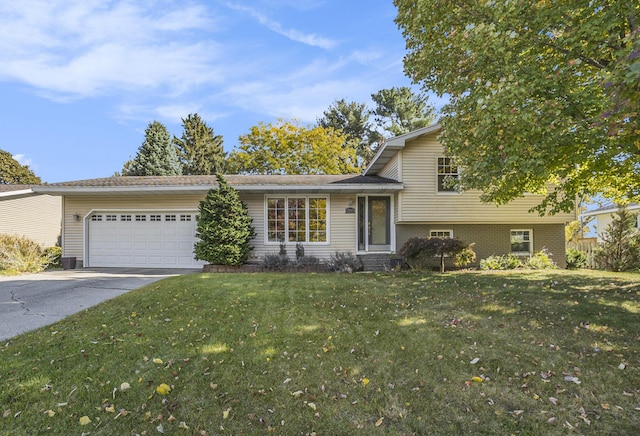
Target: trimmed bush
224,227
419,253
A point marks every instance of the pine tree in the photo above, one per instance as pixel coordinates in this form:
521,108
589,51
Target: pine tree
157,156
620,247
224,227
199,149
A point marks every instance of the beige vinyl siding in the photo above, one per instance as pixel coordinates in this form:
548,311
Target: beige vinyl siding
392,169
342,226
72,243
38,217
421,202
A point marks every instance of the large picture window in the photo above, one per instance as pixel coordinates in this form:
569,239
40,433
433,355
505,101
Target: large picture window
297,219
447,174
522,241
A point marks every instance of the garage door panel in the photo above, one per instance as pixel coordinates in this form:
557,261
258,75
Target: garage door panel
158,239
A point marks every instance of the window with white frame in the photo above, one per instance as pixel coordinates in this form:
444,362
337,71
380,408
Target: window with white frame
522,241
441,234
447,174
297,219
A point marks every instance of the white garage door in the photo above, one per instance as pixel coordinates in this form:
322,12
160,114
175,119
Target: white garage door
142,239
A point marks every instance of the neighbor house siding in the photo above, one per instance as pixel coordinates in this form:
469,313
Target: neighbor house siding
421,202
492,239
38,217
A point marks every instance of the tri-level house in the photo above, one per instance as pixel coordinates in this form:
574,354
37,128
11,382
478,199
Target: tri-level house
404,192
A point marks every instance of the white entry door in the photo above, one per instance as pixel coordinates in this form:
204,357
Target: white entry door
142,239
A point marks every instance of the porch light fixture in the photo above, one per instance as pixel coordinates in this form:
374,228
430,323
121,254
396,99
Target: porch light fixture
76,217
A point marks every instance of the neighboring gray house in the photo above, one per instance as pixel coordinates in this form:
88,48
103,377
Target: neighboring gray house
151,221
24,212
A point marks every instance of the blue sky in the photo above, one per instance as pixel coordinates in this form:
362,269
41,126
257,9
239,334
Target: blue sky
80,80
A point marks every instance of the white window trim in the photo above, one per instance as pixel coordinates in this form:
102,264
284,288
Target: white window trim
286,222
522,253
438,191
440,231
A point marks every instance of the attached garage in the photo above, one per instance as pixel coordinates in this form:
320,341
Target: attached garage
157,239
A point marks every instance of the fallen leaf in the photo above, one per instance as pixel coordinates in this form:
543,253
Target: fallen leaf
157,361
605,406
297,393
110,409
183,425
124,386
553,400
160,428
474,361
379,422
622,366
225,414
50,413
312,406
476,379
84,420
163,389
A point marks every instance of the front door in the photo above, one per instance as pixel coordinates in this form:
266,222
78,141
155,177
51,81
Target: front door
374,223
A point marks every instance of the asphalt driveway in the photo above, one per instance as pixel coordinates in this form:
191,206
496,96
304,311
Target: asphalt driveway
30,301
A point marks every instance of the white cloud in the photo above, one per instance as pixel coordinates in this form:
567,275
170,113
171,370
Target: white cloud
292,34
76,49
22,159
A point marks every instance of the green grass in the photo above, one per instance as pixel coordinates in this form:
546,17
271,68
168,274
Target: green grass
338,354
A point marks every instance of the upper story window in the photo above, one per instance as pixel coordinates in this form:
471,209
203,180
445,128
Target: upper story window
522,241
447,174
296,219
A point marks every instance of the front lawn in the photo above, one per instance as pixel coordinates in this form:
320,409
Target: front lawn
520,352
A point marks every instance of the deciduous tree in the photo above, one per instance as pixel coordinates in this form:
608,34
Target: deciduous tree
13,173
289,148
199,149
540,92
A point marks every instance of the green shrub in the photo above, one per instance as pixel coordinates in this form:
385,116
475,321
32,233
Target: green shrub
541,260
620,247
54,255
419,253
20,254
508,261
576,259
344,262
224,227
